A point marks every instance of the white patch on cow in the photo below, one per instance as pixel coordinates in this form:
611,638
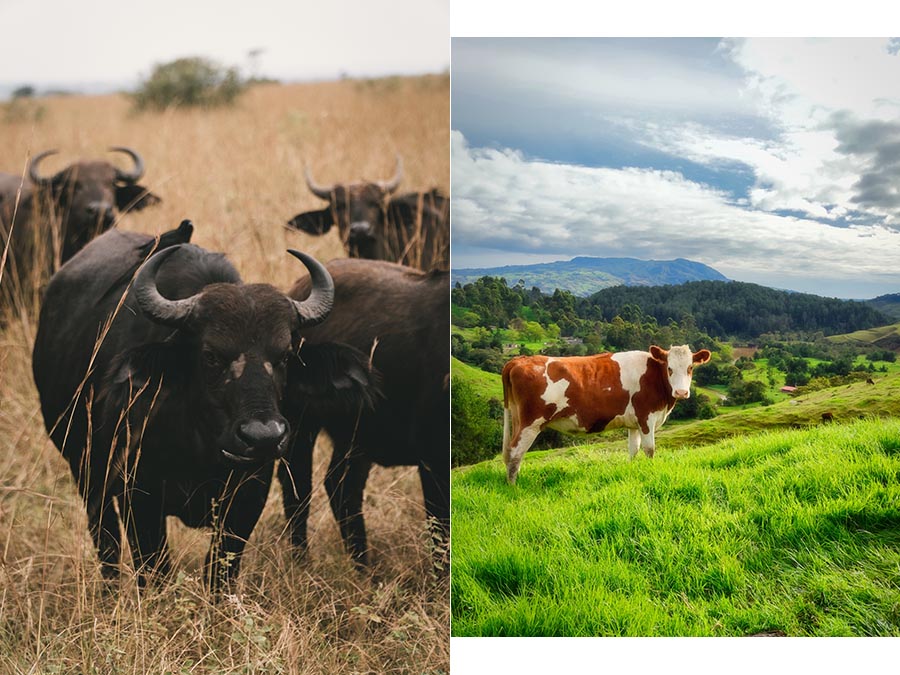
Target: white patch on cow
555,392
567,424
681,362
632,366
526,440
237,366
268,368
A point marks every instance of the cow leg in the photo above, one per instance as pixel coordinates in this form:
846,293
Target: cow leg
649,441
521,441
345,484
634,442
436,491
233,526
145,526
295,476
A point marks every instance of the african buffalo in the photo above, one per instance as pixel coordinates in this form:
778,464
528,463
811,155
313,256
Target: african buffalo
401,317
57,215
166,398
412,229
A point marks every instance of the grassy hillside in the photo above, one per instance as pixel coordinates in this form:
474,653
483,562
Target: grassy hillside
792,532
238,174
884,337
487,385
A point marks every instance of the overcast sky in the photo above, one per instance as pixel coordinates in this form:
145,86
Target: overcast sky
95,44
775,161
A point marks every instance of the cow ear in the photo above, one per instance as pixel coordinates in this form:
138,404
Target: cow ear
131,197
702,356
332,379
658,354
312,222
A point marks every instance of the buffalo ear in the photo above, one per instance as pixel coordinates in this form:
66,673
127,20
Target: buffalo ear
131,197
332,380
658,354
312,222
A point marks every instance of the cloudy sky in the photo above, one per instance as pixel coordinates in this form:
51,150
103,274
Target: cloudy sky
108,44
775,161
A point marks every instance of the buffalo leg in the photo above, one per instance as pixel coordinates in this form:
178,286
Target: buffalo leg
233,526
104,527
295,475
436,491
145,525
345,484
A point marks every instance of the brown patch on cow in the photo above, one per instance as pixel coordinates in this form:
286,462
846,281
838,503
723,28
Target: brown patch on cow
654,394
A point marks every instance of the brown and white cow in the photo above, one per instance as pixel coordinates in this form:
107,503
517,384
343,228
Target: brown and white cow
587,394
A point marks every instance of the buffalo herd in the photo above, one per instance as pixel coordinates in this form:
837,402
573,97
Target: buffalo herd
171,387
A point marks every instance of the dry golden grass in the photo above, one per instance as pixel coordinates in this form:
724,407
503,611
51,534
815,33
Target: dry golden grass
238,174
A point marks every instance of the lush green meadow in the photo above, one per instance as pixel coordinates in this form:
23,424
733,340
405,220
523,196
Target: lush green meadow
792,532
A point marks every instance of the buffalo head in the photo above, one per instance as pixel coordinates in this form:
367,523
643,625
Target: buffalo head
358,209
235,341
88,195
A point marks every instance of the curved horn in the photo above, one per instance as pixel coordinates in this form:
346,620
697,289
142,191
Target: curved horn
320,191
135,174
152,303
316,308
36,178
390,185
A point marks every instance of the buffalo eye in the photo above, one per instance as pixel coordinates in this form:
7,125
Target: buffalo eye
211,359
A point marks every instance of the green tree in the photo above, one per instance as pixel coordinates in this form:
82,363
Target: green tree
188,82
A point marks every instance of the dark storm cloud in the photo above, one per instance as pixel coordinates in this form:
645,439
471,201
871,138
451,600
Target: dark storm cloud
877,143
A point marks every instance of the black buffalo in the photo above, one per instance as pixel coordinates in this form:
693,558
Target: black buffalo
412,229
178,411
400,317
57,215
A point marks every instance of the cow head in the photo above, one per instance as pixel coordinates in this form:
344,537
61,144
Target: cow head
358,209
679,362
237,341
88,195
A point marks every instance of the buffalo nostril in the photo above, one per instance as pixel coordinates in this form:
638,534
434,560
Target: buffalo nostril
262,435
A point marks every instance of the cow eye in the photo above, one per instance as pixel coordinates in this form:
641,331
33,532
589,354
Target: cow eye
671,371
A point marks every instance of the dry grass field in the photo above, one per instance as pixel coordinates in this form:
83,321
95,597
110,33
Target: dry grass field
238,175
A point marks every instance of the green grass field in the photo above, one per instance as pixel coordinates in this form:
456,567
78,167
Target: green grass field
486,384
790,531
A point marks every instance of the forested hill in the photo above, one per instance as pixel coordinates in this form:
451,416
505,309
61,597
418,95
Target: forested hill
720,309
888,304
585,275
738,309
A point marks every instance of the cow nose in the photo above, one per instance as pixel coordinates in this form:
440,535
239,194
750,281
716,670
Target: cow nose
682,393
264,436
361,228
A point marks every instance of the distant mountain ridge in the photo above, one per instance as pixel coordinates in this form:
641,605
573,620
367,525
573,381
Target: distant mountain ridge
888,304
585,275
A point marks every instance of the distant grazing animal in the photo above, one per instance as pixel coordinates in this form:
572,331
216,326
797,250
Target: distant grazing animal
869,380
401,317
57,215
587,394
179,410
412,229
827,417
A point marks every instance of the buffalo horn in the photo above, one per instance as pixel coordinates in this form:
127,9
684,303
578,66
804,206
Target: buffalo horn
135,174
36,178
320,191
152,303
390,185
316,308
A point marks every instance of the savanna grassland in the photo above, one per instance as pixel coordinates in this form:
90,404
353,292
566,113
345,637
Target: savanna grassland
237,173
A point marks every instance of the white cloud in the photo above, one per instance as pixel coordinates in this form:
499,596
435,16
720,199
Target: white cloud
504,201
